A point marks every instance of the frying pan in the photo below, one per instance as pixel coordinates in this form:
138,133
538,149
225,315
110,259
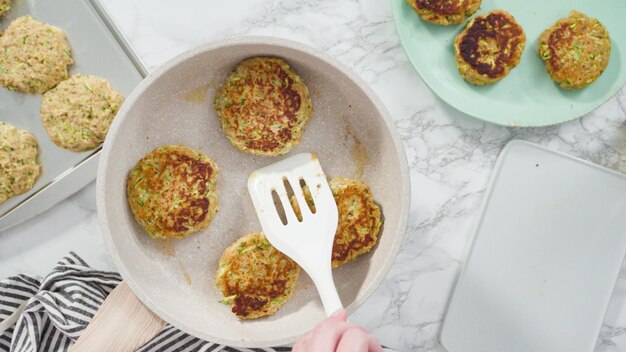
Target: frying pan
351,133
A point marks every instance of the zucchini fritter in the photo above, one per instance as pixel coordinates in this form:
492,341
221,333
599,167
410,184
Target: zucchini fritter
255,278
172,191
34,56
359,219
489,47
263,106
575,50
78,112
445,12
18,161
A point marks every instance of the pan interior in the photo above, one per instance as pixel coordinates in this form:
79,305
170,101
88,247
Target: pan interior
175,105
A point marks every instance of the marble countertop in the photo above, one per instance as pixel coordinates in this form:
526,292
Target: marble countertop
450,154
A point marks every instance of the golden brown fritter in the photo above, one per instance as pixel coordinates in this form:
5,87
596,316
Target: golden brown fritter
489,47
359,219
575,50
172,191
445,12
264,106
255,278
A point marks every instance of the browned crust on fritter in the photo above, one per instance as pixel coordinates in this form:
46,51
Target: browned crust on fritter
357,230
499,29
255,278
445,12
172,191
575,50
442,7
359,219
264,106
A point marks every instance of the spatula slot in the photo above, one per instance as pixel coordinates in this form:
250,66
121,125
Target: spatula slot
278,205
309,198
292,198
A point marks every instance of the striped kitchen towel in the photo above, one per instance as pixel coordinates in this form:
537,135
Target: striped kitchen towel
49,314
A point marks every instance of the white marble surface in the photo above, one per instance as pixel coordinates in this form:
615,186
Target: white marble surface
451,155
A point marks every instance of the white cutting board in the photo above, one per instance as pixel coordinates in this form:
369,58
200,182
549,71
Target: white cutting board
545,258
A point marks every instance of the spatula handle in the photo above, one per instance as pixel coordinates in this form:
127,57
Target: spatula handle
323,280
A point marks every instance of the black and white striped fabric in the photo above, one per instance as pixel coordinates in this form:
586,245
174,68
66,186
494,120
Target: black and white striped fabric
49,314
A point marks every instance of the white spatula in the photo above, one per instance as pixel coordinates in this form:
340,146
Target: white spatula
309,242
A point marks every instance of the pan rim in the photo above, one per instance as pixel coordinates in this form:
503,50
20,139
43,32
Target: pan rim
105,158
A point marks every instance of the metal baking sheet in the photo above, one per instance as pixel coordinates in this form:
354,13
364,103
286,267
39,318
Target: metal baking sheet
98,48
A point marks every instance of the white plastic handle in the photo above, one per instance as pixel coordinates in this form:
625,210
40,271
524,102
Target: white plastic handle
323,280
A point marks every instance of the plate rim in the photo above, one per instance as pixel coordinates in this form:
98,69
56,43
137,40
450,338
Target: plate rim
105,156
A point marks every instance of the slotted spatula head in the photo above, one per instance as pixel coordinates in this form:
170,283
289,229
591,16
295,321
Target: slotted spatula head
307,239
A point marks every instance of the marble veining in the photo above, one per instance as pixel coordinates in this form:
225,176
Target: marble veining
450,154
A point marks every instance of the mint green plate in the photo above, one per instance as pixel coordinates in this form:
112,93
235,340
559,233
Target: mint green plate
527,96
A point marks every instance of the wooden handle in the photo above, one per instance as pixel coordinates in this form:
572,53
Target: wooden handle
121,324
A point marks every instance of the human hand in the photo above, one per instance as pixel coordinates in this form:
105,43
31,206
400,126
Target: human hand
335,334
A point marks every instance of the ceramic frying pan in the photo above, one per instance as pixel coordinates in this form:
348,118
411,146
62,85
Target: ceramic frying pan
350,131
